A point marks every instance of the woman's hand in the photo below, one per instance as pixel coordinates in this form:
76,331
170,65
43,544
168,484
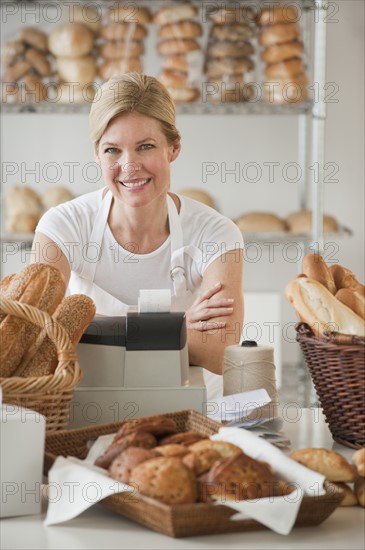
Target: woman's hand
200,316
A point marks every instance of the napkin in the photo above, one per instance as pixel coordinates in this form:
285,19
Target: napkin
277,513
236,407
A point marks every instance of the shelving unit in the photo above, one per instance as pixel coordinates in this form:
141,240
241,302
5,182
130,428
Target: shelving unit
311,114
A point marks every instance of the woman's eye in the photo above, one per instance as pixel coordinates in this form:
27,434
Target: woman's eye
146,146
111,150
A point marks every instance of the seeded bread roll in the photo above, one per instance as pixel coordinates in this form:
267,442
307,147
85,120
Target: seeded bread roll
74,313
327,462
38,285
317,307
165,479
314,267
172,449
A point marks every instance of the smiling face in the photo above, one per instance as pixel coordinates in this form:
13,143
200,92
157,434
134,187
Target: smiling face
135,158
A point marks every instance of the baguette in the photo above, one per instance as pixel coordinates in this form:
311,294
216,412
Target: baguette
317,307
74,313
38,285
353,300
343,277
314,267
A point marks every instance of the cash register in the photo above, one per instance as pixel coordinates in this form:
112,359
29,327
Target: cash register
135,365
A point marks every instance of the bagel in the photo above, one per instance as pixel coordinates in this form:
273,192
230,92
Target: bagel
175,79
222,49
232,33
285,69
180,29
116,67
175,62
174,13
117,49
123,31
281,52
176,46
278,34
278,14
184,95
129,13
215,68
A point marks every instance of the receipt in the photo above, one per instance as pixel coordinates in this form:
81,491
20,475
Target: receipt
154,301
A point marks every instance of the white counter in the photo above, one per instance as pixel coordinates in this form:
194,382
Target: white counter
98,528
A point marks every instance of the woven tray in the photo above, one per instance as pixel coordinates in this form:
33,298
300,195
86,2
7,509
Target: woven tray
186,519
49,395
336,363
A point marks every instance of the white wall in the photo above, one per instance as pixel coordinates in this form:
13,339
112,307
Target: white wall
60,139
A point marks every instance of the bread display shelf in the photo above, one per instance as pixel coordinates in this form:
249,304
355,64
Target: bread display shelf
197,108
286,237
186,519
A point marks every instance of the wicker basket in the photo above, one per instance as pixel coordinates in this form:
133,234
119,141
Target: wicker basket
337,365
49,395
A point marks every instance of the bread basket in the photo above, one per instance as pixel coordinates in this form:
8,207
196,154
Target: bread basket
336,363
49,395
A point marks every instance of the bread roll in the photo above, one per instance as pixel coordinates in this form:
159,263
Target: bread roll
52,196
129,13
278,14
71,40
351,299
234,33
123,31
359,489
180,29
38,61
11,50
317,307
17,70
282,52
35,89
358,459
175,62
278,34
174,13
184,95
38,285
257,222
19,200
325,461
199,195
117,49
222,49
301,222
350,498
215,68
176,79
176,46
285,69
81,69
67,93
116,67
35,38
314,267
74,313
87,15
22,223
122,466
286,90
232,14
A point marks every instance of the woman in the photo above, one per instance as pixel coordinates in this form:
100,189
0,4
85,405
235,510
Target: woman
134,234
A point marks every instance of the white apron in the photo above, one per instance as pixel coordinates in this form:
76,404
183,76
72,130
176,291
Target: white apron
108,305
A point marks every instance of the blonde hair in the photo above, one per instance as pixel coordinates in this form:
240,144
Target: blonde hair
133,92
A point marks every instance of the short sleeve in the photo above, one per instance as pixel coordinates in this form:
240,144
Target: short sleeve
222,236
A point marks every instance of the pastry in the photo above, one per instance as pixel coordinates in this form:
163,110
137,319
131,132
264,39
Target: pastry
135,439
122,466
158,425
358,459
325,461
183,438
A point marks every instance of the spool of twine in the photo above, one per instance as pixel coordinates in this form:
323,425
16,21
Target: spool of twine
251,368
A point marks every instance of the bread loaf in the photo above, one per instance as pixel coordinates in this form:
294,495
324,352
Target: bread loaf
344,278
38,285
71,40
301,221
358,459
317,307
253,222
327,462
314,267
350,298
74,313
199,195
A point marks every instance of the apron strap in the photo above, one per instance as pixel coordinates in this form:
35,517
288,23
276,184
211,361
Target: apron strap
177,271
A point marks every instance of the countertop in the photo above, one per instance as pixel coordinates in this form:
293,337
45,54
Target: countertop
98,528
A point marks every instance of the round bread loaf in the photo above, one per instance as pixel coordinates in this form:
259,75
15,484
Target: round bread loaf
277,34
52,196
71,40
254,222
174,13
184,95
19,200
123,31
301,222
165,479
288,13
282,52
22,223
81,69
199,195
88,15
180,29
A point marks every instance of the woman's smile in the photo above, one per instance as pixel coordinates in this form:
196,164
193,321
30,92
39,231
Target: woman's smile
135,184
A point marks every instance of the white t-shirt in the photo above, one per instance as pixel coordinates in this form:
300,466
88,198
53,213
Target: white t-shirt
122,272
